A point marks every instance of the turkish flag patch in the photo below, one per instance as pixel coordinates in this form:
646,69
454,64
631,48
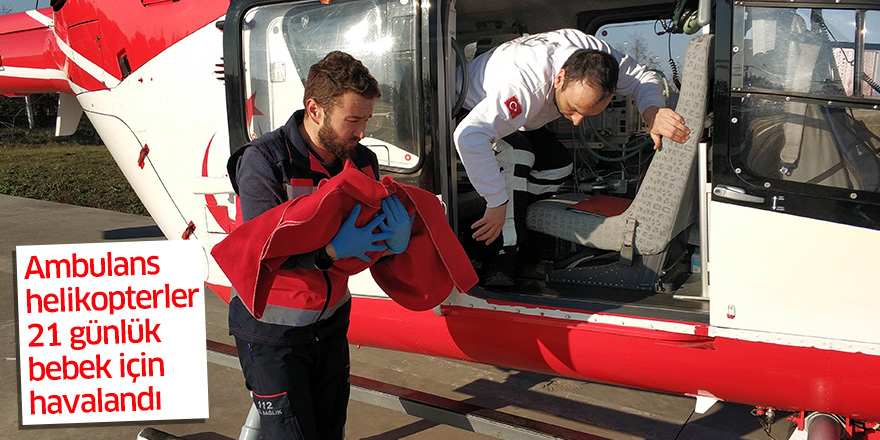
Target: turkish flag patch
513,107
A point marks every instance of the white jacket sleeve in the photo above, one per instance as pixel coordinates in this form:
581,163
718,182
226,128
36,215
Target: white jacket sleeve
490,120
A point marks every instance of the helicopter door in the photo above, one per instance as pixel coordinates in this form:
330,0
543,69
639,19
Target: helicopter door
794,216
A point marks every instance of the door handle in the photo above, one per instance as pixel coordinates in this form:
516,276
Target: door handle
734,193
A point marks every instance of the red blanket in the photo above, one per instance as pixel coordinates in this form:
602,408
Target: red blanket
420,278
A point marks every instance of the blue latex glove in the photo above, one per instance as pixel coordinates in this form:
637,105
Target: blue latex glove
397,221
352,241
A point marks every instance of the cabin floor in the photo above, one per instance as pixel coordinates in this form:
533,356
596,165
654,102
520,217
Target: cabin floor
682,303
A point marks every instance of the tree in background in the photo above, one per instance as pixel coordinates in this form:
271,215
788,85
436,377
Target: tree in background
13,111
13,118
637,48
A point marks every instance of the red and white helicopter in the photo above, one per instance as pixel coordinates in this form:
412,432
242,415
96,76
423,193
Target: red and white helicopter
780,199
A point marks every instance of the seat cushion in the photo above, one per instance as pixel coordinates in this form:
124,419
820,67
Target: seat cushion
602,205
562,217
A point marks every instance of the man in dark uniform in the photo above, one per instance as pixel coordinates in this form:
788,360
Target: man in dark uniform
295,357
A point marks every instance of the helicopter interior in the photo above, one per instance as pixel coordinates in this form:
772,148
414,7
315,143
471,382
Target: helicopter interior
626,232
560,262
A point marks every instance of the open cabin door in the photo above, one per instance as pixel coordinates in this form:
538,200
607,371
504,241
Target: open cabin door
794,215
269,47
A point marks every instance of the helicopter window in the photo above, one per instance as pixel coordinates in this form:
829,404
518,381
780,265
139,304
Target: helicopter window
831,52
281,42
612,150
808,142
649,44
804,101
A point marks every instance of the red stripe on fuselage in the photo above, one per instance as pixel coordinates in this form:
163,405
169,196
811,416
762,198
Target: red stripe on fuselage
780,376
25,86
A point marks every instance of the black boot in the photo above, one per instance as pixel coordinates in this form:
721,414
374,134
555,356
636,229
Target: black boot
500,270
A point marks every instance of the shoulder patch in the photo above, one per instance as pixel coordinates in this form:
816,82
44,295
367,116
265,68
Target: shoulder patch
513,107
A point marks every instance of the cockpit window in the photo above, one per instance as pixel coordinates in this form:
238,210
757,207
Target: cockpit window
830,52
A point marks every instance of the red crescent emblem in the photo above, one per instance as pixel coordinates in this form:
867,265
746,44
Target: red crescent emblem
513,107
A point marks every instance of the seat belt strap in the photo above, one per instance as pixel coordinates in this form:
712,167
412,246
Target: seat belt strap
629,240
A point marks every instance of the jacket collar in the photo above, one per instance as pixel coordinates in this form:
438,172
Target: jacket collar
295,142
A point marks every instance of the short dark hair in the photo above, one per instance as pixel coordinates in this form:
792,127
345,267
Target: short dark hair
599,69
336,74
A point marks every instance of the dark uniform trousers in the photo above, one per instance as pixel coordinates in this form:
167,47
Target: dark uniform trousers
301,391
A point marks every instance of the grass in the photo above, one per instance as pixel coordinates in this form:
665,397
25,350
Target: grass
74,170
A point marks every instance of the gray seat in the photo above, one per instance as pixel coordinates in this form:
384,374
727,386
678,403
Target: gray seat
664,206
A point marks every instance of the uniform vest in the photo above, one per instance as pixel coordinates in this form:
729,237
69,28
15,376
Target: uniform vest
301,298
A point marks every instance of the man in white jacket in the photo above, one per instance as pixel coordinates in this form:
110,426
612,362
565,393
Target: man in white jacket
513,91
